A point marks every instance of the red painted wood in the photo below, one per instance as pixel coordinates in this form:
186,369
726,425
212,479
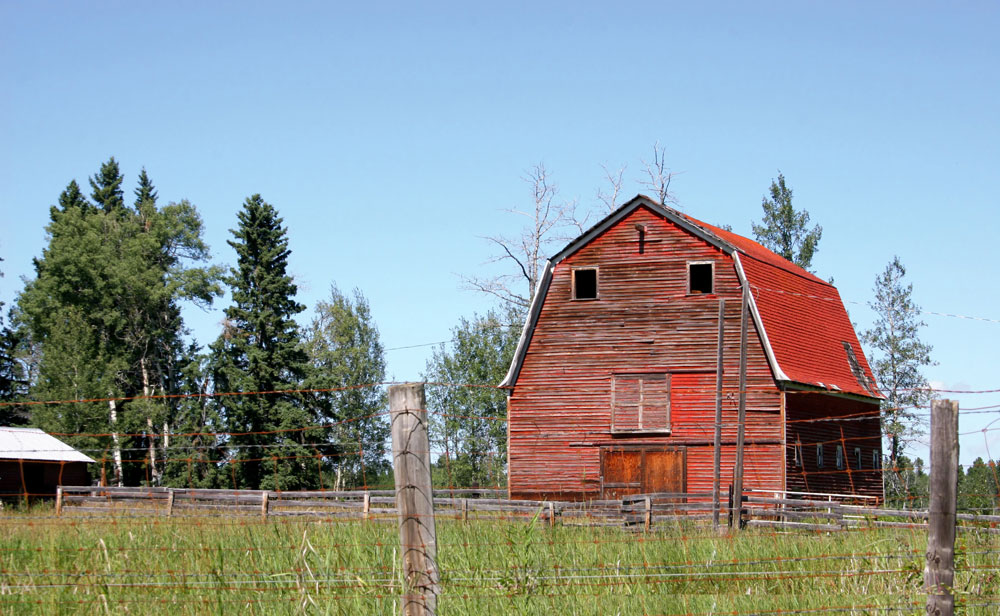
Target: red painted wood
643,322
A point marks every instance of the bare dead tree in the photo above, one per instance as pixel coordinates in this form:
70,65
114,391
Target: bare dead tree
659,175
527,251
610,196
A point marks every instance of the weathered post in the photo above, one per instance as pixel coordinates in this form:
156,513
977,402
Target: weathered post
717,442
170,502
939,573
263,504
411,460
59,500
737,514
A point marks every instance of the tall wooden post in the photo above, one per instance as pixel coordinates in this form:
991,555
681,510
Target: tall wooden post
717,443
939,573
737,514
411,461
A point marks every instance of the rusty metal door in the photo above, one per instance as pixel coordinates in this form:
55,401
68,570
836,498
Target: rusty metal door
642,470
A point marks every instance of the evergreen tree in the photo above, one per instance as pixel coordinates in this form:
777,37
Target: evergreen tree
783,229
107,187
12,380
898,356
103,315
73,198
469,423
346,357
979,488
145,192
260,351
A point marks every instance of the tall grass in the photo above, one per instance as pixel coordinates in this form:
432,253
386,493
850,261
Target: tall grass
244,566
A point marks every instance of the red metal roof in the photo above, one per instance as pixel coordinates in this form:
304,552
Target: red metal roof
804,319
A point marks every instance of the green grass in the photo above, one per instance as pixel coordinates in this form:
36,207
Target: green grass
227,565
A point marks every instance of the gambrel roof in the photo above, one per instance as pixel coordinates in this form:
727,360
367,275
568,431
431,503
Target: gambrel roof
805,330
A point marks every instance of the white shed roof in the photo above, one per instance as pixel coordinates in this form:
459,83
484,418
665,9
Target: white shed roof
34,444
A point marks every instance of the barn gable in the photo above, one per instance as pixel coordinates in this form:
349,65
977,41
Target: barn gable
805,331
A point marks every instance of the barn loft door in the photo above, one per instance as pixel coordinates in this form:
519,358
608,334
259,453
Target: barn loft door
637,470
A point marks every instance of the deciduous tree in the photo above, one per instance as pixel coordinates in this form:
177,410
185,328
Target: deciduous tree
347,360
102,313
468,422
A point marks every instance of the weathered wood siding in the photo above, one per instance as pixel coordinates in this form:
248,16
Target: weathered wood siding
825,420
643,322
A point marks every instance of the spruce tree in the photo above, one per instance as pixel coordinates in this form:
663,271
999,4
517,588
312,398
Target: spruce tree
145,191
107,187
12,381
259,350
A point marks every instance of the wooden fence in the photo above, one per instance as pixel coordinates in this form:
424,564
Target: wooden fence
637,512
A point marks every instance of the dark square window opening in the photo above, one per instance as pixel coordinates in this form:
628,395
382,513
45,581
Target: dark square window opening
700,278
585,284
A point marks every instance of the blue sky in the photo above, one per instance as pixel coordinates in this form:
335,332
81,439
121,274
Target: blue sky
391,138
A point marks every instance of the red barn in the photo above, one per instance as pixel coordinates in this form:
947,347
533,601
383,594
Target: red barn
614,378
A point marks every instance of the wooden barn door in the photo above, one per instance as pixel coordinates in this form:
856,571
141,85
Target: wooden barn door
642,470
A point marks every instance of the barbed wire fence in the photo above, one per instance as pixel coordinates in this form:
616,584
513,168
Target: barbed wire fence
539,561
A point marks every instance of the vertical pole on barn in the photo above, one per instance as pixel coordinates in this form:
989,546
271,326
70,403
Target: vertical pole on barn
717,442
939,573
737,513
411,462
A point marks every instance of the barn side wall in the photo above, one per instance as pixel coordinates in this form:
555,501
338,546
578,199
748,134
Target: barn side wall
40,478
644,321
822,420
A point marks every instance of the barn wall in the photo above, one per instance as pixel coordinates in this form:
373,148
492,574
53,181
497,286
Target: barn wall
40,478
642,322
828,420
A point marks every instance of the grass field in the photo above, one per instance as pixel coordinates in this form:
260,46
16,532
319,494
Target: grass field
177,566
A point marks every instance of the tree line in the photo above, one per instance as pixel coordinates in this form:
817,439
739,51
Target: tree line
101,320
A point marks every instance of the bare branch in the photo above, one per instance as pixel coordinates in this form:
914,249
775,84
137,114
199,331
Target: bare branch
610,198
660,175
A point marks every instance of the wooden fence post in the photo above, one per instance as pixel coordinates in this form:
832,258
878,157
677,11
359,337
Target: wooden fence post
59,500
939,573
742,412
366,505
170,502
717,441
263,504
411,461
648,517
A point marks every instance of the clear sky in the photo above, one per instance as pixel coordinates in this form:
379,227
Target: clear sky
391,137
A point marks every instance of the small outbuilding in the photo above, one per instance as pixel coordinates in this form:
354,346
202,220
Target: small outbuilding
615,381
33,463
